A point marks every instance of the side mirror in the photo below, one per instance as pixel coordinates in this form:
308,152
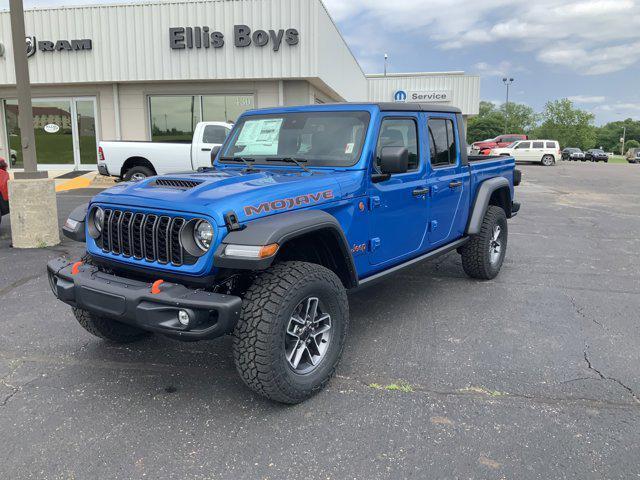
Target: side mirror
394,160
214,153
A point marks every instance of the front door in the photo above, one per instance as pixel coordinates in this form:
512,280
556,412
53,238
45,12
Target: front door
446,179
522,152
399,207
205,139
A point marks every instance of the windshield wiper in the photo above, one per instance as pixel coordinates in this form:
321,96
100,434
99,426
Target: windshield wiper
245,160
297,161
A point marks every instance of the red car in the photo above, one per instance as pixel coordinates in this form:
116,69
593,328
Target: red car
4,189
484,147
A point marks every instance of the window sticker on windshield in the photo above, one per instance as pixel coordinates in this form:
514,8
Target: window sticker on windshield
265,131
348,149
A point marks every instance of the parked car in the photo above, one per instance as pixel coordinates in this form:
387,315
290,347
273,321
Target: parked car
633,155
596,155
573,154
4,189
303,204
139,160
546,152
484,147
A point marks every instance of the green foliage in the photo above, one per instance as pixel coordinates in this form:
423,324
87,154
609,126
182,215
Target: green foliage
571,126
560,120
491,121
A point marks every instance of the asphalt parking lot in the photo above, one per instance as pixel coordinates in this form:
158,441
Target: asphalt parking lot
533,375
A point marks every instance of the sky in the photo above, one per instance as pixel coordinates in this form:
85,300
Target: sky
586,50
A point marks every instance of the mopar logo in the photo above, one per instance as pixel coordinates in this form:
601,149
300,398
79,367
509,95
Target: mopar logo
400,96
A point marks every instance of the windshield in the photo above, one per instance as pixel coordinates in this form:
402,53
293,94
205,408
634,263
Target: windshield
512,145
328,139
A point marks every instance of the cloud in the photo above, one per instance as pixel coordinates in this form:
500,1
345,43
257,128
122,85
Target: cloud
585,99
590,37
501,69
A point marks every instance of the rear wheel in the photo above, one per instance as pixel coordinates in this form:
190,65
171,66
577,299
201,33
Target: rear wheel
107,329
137,174
483,254
548,160
291,331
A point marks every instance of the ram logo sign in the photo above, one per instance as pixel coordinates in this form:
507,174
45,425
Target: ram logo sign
33,46
288,203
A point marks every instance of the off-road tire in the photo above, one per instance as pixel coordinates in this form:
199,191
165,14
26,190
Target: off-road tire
259,336
475,253
107,329
139,170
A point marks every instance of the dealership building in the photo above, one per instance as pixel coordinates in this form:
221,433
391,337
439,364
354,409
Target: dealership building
151,71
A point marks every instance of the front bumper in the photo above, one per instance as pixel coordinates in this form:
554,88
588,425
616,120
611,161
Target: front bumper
131,301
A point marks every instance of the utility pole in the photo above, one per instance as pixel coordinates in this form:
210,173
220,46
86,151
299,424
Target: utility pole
623,140
386,59
23,87
507,82
32,196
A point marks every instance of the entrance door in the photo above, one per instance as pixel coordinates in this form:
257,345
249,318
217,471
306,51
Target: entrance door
86,127
399,208
446,180
65,132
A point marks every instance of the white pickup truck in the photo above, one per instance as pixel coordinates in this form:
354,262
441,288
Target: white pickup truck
139,160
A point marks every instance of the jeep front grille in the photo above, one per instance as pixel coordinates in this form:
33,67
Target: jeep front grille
154,238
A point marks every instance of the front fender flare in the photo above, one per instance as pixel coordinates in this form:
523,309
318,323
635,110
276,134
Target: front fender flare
75,229
481,202
281,228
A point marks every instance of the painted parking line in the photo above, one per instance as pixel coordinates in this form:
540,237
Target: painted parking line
74,183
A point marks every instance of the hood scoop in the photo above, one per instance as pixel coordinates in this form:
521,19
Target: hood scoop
178,184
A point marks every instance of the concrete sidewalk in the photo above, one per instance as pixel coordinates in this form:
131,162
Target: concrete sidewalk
83,180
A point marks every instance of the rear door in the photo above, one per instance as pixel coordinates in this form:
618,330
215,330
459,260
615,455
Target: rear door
205,139
399,207
446,179
538,150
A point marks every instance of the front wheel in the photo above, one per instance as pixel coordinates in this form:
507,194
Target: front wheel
548,160
291,331
483,254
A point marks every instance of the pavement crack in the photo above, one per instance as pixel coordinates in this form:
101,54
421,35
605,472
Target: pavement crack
580,311
604,377
19,283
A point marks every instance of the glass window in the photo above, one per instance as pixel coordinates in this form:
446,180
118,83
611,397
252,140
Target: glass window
225,108
315,138
538,144
214,134
174,118
442,143
551,144
524,145
399,132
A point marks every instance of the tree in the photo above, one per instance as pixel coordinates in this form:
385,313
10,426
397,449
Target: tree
571,126
521,118
608,136
490,121
631,144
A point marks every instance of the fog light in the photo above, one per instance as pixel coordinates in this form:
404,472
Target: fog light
183,317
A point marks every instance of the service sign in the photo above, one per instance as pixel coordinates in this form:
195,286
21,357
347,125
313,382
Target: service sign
51,128
427,96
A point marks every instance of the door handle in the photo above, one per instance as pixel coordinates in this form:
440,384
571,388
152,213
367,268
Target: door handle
205,149
455,184
420,192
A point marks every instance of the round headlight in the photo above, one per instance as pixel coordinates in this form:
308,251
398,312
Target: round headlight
203,235
98,219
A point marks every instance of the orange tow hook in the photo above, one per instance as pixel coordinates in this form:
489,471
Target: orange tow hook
155,288
75,269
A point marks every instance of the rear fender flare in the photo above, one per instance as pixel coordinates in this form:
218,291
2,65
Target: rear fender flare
481,202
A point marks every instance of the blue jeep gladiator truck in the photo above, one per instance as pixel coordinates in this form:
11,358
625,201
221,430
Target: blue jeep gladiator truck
301,205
